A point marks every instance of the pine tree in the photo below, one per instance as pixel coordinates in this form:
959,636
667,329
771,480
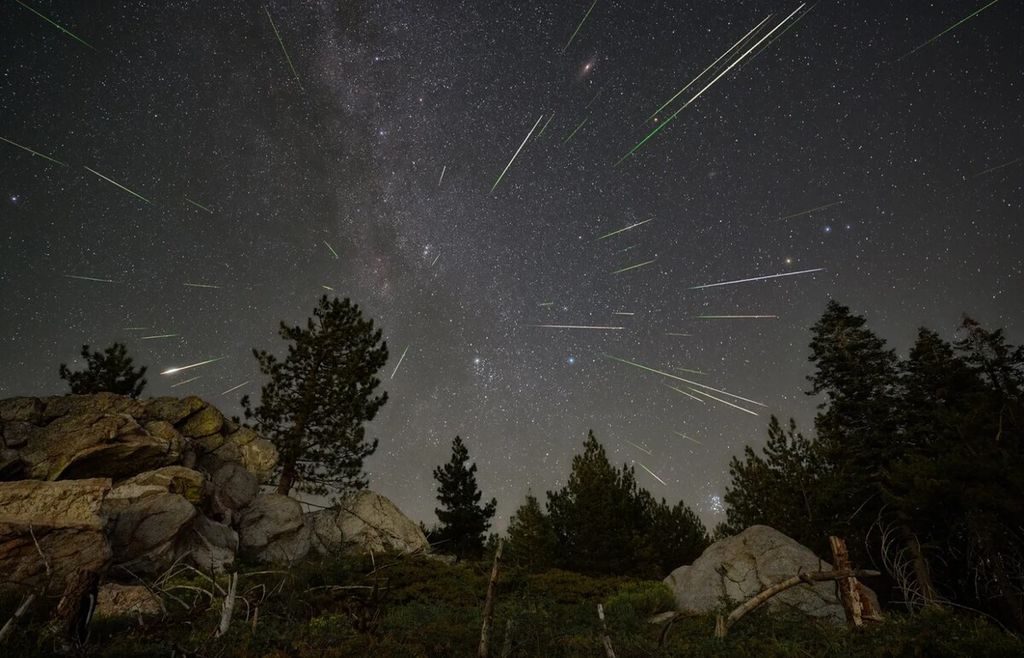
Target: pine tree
677,535
108,371
532,544
318,398
464,522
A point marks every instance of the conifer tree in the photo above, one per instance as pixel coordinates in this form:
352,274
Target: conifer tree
532,544
107,371
317,399
464,522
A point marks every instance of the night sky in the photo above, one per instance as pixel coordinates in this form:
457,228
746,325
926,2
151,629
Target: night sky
251,173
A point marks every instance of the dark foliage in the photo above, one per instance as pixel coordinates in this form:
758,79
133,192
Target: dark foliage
464,522
109,371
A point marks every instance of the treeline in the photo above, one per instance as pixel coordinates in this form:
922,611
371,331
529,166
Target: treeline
917,461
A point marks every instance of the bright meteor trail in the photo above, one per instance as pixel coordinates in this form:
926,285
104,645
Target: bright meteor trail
283,49
88,278
633,267
171,371
756,278
631,226
198,205
235,388
112,182
574,326
687,437
399,362
35,153
641,449
737,317
516,153
332,250
726,402
687,381
808,212
651,473
951,28
65,31
569,43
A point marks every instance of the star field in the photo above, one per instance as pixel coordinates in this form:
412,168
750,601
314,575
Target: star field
365,171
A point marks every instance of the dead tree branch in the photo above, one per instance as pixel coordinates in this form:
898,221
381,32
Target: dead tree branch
492,585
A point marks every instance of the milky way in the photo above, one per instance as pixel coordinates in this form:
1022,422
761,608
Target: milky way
266,155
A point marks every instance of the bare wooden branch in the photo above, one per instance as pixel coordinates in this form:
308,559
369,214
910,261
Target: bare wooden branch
485,629
605,639
849,592
723,625
506,646
8,628
229,606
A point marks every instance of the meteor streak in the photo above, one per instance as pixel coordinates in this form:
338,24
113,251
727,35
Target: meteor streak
545,126
435,260
651,473
88,278
326,287
283,49
575,130
399,361
808,212
639,448
158,336
737,317
734,406
622,313
631,226
235,388
332,250
569,43
546,304
186,381
692,397
987,171
687,437
198,205
516,153
171,371
757,278
686,381
671,333
439,180
723,56
574,326
706,87
135,328
65,31
950,28
633,267
201,285
33,152
118,185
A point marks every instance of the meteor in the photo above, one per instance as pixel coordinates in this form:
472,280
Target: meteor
88,278
399,362
639,448
186,381
631,226
135,328
950,28
575,130
171,371
326,287
235,388
118,185
734,406
651,473
569,43
706,87
688,438
516,153
198,205
435,260
987,171
679,390
332,250
283,49
65,31
686,381
158,336
574,326
439,180
726,53
633,267
672,333
737,317
545,126
622,313
35,153
757,278
808,212
201,285
546,304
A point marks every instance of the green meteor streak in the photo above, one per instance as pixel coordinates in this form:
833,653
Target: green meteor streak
67,32
516,153
573,133
951,27
545,126
283,49
112,182
569,43
633,267
608,235
808,212
198,205
332,250
25,148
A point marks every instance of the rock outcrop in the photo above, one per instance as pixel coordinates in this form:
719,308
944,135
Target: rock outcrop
737,568
365,521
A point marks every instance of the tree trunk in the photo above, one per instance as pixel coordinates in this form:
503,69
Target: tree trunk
228,609
605,639
849,592
489,604
921,572
284,485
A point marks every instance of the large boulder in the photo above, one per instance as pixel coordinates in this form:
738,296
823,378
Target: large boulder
272,529
173,479
736,568
367,522
51,526
144,531
234,487
258,455
209,545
